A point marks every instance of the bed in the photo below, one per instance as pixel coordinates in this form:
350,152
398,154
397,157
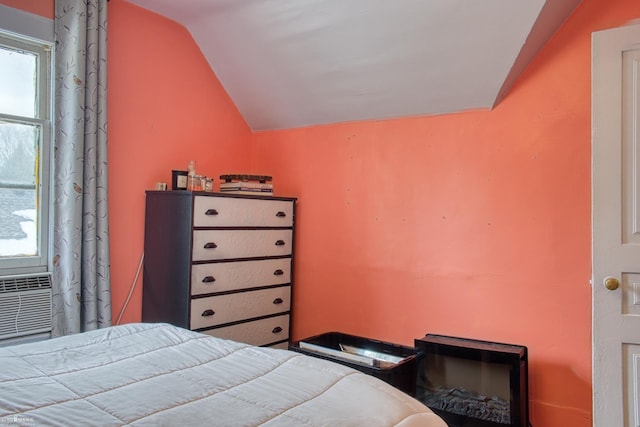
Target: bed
161,375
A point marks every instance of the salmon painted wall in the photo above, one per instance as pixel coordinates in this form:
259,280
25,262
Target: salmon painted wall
474,224
166,106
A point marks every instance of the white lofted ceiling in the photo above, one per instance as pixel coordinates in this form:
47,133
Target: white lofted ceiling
293,63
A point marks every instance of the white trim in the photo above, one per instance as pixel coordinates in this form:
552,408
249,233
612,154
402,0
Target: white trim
22,34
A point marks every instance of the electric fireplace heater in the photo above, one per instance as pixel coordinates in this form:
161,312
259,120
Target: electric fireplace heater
472,383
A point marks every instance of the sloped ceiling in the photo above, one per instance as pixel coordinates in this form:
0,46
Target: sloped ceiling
293,63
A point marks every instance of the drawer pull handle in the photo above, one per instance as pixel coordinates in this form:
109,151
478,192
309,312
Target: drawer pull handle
276,330
278,301
208,279
211,212
278,272
210,245
281,214
208,313
280,243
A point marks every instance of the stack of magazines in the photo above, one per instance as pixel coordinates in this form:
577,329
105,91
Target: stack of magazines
246,184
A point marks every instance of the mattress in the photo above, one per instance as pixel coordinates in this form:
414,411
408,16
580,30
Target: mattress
161,375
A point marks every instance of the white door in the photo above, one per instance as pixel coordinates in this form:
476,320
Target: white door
616,226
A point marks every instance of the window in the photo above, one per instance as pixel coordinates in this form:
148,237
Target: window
25,141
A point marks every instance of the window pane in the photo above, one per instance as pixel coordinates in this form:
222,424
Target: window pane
18,189
18,82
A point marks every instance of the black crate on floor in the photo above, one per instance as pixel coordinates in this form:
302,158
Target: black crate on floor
392,363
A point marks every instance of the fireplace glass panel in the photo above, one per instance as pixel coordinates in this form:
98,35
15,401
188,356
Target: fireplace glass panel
473,383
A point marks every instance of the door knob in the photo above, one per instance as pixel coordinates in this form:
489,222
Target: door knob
611,283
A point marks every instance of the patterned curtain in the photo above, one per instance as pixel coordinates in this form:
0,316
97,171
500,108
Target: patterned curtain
82,290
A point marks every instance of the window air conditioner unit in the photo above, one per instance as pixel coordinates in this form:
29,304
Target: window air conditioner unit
25,308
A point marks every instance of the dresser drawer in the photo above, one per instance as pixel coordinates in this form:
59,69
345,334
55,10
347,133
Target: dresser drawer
221,309
229,276
228,244
211,211
257,332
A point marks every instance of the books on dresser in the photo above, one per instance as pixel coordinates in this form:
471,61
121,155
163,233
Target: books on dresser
246,184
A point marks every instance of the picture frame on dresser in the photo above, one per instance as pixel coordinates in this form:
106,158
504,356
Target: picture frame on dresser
178,180
221,264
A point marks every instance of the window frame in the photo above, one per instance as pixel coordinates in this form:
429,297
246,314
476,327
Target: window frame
44,93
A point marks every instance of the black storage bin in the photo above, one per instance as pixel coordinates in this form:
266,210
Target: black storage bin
392,363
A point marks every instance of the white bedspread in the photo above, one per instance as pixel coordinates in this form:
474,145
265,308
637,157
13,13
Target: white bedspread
160,375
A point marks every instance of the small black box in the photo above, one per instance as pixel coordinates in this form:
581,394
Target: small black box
392,363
